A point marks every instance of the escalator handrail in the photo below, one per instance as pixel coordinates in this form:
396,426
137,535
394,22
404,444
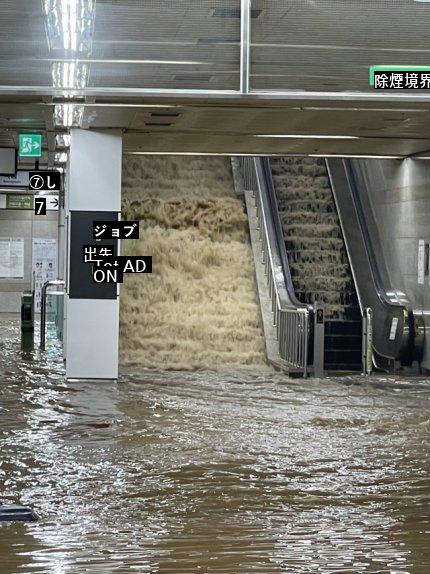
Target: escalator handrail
275,264
405,346
377,279
272,205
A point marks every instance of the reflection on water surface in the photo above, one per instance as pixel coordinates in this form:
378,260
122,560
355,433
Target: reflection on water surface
212,472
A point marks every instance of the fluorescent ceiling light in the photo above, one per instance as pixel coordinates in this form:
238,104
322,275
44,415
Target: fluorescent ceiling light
110,61
69,75
69,24
62,140
355,109
68,115
117,105
342,48
199,153
60,157
236,154
355,156
307,136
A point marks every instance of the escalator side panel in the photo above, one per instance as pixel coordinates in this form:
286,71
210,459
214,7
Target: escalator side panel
391,321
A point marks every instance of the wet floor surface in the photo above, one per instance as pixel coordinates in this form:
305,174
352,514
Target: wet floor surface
206,472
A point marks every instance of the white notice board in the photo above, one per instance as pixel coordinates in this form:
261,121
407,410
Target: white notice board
11,258
44,265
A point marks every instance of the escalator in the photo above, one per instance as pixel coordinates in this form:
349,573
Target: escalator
328,256
398,333
317,256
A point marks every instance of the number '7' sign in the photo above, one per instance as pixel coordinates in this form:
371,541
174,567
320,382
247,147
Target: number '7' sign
40,205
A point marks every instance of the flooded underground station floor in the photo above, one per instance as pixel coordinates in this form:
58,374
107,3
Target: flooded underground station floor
238,472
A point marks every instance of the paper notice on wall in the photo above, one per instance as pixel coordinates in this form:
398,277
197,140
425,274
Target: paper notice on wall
11,257
44,266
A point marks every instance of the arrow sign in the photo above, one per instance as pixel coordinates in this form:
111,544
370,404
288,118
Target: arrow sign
52,202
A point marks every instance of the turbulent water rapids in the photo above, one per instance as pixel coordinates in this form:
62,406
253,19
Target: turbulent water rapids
234,473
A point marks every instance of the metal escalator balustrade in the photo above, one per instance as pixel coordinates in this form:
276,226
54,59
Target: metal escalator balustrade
292,322
398,334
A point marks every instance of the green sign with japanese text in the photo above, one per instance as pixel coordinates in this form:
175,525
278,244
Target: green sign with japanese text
16,201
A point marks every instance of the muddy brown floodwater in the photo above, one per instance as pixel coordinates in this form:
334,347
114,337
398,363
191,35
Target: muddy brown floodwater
187,472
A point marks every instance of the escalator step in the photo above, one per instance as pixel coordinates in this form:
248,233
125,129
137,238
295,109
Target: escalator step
342,341
346,367
352,313
343,328
342,356
313,238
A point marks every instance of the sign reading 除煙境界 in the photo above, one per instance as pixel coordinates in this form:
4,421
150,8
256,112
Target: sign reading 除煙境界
399,77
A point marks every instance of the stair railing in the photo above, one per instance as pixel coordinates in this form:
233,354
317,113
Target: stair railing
43,307
292,323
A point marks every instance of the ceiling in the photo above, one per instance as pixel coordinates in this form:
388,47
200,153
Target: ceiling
167,73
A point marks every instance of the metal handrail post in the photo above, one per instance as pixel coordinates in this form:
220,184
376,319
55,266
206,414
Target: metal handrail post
319,318
367,344
43,309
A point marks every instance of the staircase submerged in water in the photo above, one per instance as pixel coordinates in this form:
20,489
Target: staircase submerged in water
315,244
317,256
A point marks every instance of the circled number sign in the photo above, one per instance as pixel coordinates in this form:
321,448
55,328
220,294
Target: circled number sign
45,180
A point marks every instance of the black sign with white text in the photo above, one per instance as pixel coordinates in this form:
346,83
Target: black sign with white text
116,230
401,80
49,180
128,263
104,275
40,205
97,253
81,281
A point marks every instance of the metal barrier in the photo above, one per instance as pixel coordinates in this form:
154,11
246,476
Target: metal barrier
56,282
292,323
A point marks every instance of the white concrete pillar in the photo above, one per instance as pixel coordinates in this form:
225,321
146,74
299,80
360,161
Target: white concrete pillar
92,310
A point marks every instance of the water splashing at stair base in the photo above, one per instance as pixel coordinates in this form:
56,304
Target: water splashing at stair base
199,307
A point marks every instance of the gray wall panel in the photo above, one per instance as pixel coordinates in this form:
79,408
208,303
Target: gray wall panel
21,223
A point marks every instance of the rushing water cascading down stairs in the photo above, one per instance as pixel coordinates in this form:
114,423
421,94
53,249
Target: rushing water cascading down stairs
317,255
199,307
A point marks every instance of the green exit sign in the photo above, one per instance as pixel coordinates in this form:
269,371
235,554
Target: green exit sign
30,145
